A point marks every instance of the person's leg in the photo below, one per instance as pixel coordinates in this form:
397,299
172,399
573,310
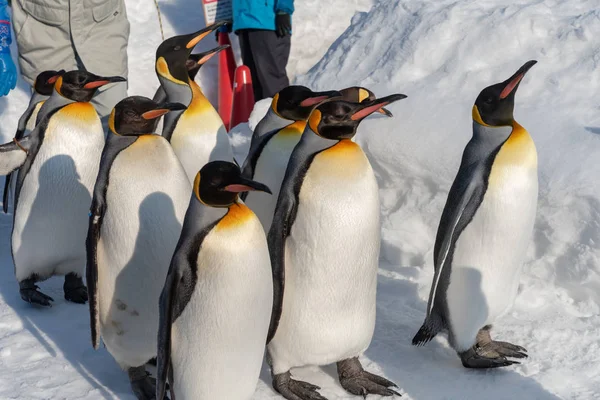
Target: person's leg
42,46
101,38
246,50
270,54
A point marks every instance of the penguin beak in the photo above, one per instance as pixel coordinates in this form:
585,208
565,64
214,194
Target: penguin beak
101,81
385,112
247,185
201,34
367,108
53,79
204,57
163,109
512,83
319,97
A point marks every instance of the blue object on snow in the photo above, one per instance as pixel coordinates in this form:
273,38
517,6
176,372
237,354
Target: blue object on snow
8,71
259,14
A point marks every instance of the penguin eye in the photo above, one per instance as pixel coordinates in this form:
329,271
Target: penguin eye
176,48
488,100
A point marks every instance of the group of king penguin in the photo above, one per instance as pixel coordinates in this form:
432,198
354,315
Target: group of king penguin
197,263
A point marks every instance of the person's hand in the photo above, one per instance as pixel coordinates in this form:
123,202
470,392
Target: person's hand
8,73
283,24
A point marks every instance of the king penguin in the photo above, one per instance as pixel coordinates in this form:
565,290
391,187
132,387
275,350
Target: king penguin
324,246
42,89
216,305
484,232
273,140
58,162
197,134
140,198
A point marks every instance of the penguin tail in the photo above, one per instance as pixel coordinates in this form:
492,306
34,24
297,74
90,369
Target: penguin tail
430,328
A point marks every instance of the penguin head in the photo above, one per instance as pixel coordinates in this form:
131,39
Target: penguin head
296,102
197,60
137,115
82,85
219,183
357,94
173,53
44,82
495,104
339,119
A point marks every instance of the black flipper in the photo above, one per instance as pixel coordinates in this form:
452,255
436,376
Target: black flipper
256,149
163,359
13,155
21,126
160,96
285,213
114,145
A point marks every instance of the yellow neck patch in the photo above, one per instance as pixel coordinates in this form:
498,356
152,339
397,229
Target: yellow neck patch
314,120
163,70
294,129
237,215
274,104
362,95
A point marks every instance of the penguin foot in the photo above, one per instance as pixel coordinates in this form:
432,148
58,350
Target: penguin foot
142,384
357,381
487,345
295,390
478,357
74,289
30,293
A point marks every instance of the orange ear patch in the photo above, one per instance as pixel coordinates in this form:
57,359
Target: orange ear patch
152,114
314,120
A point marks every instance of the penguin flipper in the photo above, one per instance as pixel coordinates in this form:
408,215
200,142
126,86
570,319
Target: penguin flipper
160,96
13,155
91,243
464,199
167,305
21,126
256,147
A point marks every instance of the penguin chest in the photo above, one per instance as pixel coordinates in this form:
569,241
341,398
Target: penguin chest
331,261
146,200
270,169
220,336
51,214
200,137
489,253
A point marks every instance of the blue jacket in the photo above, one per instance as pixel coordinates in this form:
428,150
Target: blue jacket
258,14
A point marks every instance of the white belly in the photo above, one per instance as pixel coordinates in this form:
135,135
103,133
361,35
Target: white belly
199,138
331,265
51,219
146,199
489,254
270,170
218,341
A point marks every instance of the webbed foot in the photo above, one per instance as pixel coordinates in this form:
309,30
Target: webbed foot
74,289
357,381
30,293
295,390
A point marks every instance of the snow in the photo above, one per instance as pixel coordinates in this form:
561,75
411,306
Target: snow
440,54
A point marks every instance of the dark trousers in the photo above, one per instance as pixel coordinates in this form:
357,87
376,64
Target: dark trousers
266,55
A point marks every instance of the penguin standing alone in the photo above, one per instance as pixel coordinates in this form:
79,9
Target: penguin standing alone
42,89
58,163
324,247
140,198
197,134
270,150
484,232
216,305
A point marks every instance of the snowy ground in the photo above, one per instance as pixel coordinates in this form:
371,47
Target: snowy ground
441,54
